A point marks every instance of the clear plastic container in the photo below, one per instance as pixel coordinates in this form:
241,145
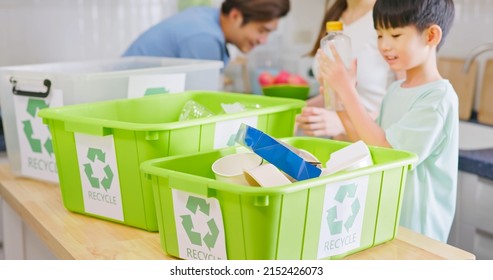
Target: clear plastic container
342,44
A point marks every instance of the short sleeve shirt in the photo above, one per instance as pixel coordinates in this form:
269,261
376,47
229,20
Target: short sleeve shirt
424,120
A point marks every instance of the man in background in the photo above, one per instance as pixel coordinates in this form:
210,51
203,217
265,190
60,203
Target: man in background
203,32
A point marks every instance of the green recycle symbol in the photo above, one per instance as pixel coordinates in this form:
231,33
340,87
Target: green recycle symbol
36,144
194,203
158,90
335,225
231,140
92,155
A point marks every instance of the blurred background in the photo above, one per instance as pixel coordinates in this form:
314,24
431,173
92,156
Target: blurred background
38,31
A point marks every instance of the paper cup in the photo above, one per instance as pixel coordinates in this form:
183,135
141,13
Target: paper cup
361,162
267,175
231,168
352,157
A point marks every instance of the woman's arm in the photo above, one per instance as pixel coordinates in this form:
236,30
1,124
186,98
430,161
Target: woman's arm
316,101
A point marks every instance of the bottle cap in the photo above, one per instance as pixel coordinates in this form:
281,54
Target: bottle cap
333,26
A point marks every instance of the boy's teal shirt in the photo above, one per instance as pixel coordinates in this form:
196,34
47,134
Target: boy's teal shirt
424,120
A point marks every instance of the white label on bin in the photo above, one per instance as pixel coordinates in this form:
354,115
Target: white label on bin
99,175
342,217
225,132
199,227
143,85
36,149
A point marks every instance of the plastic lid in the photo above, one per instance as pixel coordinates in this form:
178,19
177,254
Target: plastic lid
333,26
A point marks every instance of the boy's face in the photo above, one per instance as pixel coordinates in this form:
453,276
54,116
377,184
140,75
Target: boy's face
403,48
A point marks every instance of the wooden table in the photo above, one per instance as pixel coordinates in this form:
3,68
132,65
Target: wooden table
73,236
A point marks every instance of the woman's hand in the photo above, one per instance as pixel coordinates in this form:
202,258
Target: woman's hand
316,121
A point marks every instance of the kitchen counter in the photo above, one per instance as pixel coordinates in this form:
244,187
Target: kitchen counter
73,236
479,162
476,148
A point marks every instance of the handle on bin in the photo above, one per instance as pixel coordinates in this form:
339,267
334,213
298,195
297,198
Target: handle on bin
87,128
46,83
261,201
192,185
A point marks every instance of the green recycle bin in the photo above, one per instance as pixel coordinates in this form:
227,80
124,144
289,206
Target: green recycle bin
328,217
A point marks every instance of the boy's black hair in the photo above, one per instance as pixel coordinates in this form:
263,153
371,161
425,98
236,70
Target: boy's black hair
419,13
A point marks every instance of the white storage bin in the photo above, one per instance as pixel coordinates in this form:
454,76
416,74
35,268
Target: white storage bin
25,89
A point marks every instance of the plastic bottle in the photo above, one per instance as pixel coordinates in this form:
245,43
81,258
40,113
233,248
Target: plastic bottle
342,44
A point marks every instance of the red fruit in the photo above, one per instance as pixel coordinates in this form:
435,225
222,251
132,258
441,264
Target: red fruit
282,77
266,79
297,80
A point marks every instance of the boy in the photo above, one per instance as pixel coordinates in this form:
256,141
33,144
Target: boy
418,114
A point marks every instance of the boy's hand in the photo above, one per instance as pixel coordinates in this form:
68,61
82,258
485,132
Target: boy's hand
334,72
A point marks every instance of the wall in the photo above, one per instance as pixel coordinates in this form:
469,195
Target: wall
59,30
472,28
63,30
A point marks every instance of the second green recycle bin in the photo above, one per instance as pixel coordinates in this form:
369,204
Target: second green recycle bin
327,217
99,146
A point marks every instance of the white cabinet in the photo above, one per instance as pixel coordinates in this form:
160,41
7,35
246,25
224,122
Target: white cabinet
19,241
473,224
